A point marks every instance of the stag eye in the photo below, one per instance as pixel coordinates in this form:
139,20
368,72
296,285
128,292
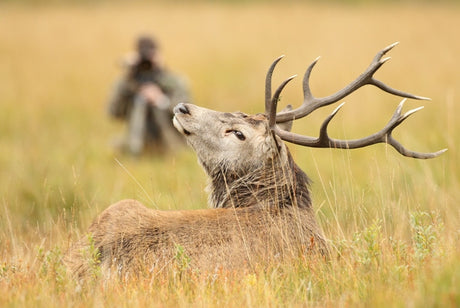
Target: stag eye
237,133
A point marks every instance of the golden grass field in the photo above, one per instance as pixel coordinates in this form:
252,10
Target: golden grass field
394,221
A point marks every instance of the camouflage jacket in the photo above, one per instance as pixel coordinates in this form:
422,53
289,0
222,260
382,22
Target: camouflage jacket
123,95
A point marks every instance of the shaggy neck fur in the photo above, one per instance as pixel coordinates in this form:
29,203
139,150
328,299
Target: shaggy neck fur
273,184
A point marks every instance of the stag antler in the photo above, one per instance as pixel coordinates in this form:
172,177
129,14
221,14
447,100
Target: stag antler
312,103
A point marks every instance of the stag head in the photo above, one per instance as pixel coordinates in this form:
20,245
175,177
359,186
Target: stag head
233,141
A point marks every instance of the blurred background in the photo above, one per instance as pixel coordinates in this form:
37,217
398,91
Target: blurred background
59,59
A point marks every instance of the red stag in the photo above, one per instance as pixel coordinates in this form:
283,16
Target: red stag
260,199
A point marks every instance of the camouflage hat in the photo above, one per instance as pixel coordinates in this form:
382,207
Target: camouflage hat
146,46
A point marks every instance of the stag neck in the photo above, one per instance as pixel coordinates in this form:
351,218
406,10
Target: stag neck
272,184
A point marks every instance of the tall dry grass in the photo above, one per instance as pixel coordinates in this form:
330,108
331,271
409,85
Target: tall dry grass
394,221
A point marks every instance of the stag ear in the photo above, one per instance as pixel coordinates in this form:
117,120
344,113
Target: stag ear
287,126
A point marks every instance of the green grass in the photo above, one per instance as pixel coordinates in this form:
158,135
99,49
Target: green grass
394,221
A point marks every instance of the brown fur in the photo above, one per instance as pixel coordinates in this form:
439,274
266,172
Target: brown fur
261,207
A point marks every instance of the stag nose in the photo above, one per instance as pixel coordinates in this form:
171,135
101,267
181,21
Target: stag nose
181,108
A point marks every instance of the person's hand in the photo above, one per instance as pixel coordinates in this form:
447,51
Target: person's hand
152,93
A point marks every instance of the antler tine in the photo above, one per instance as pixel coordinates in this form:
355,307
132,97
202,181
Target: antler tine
384,51
268,85
323,135
382,136
312,103
308,96
396,92
274,102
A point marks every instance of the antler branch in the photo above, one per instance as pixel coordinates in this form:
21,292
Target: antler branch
311,103
382,136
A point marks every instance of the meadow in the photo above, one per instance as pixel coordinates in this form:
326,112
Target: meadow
394,222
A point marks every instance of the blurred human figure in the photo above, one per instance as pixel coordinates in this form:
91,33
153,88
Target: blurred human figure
144,97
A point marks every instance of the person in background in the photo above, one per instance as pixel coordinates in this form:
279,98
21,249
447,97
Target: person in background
144,97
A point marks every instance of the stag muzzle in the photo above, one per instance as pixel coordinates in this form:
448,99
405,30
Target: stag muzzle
181,108
180,111
183,117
